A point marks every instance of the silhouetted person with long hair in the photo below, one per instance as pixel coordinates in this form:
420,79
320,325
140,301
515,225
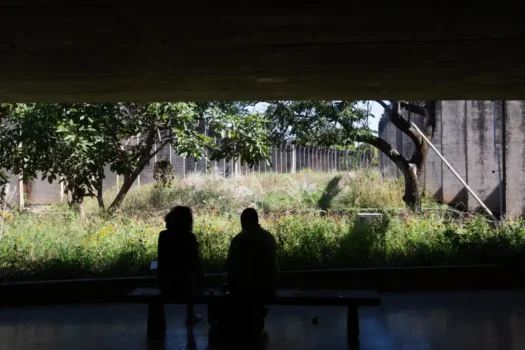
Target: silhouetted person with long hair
252,258
179,266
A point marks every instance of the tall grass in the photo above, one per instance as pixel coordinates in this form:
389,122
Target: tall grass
58,244
268,192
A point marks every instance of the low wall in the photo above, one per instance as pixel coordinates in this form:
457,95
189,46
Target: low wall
382,279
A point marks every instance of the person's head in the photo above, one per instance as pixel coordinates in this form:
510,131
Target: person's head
249,219
179,218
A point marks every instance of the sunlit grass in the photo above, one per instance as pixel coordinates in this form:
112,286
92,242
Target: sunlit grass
57,244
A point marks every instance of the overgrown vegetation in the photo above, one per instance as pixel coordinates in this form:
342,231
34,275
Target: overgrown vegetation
57,244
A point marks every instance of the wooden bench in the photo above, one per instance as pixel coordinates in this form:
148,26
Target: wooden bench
351,299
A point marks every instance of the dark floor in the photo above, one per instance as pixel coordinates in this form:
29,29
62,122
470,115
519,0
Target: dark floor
466,320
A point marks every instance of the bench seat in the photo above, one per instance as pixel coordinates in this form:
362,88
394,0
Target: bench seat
349,298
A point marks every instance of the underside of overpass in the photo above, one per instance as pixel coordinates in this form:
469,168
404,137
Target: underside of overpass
96,50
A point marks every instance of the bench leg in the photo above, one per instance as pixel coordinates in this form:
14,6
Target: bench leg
156,320
352,324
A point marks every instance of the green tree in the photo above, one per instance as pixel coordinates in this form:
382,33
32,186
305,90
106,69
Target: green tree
144,129
184,126
73,142
243,138
64,142
342,123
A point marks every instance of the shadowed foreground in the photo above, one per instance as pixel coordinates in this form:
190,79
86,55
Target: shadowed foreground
460,320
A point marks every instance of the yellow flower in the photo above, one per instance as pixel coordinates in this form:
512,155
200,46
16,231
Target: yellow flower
21,239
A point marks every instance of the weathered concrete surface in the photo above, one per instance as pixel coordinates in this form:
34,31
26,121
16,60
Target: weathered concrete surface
482,164
42,192
223,50
12,189
454,149
465,136
433,170
515,157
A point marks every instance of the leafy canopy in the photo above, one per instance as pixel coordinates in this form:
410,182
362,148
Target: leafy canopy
319,123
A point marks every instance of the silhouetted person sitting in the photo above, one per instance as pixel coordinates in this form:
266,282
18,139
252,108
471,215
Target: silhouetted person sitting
179,266
252,258
253,274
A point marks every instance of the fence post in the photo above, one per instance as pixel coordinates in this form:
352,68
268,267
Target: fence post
310,163
323,159
293,159
281,160
21,201
285,156
330,166
303,158
312,156
317,158
307,157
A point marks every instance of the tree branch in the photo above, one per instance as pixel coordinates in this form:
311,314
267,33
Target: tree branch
402,124
383,104
162,145
413,108
400,161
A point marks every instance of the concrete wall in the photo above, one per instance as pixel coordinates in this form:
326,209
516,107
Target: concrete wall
432,181
467,136
11,190
514,157
281,161
454,148
42,192
482,162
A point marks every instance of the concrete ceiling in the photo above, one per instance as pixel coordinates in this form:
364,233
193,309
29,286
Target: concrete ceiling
218,50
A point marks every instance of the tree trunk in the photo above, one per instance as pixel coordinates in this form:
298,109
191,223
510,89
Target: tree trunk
126,185
77,202
412,196
100,197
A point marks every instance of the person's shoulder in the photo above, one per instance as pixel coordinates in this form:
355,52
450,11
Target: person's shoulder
163,235
266,232
239,236
192,235
268,235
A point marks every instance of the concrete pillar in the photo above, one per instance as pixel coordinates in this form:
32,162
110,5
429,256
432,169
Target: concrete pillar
433,170
293,159
314,158
320,159
482,165
284,153
308,158
514,157
454,149
21,201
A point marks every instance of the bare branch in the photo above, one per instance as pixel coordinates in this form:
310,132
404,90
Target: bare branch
162,145
413,108
385,147
384,105
397,119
